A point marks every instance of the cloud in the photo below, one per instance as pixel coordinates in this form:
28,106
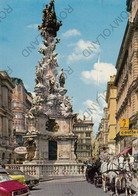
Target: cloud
71,32
93,110
33,26
101,73
80,47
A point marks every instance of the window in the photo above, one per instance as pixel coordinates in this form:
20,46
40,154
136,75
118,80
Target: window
81,141
14,103
20,104
106,125
88,134
106,137
16,114
87,147
19,88
88,141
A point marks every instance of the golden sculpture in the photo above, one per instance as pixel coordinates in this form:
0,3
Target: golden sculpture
31,148
50,23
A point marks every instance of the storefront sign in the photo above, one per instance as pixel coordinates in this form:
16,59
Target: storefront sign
125,132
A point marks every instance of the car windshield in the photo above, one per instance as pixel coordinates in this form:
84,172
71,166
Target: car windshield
4,178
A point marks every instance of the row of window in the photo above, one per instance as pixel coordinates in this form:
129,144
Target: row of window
19,115
87,141
19,125
14,104
84,154
83,147
84,135
83,128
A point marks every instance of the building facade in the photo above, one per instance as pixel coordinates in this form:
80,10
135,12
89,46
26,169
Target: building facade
6,119
21,103
83,129
111,102
126,79
105,127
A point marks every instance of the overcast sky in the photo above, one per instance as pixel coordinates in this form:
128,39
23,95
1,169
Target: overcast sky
90,62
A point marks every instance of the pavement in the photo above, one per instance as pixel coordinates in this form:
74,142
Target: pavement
75,179
135,185
67,187
64,179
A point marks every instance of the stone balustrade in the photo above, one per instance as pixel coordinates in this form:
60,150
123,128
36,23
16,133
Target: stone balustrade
49,170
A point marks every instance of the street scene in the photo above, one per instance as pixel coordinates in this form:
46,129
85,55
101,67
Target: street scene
69,98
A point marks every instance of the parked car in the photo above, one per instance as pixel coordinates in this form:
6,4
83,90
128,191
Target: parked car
30,181
10,187
16,175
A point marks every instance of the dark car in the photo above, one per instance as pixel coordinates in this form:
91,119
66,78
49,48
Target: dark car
30,181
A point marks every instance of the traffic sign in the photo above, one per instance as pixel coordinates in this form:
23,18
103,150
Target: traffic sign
125,132
124,123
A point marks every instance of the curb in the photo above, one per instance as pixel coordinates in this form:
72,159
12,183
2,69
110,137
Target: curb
47,179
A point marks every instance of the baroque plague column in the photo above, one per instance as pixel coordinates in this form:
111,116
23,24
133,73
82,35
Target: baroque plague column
50,136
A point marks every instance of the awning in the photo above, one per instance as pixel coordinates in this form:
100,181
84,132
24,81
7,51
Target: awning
126,150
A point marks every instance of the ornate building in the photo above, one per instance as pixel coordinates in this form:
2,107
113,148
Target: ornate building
111,102
105,127
83,129
21,103
6,119
126,79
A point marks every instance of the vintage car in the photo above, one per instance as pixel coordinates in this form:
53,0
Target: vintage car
30,181
16,175
10,187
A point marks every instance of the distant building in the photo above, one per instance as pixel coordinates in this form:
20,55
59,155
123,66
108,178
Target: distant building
111,102
84,130
100,138
21,103
105,127
126,79
6,119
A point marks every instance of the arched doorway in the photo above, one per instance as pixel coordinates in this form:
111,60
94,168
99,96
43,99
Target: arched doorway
52,150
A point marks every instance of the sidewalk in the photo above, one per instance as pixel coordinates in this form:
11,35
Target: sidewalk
135,185
64,179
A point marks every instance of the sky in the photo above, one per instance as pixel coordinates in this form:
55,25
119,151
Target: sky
91,37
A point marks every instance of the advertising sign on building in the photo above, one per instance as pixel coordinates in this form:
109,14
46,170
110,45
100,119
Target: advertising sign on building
126,132
124,123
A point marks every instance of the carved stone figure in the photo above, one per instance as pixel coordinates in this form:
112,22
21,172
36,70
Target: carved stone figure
61,78
67,104
51,86
51,125
39,75
31,148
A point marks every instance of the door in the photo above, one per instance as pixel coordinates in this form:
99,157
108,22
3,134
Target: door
52,150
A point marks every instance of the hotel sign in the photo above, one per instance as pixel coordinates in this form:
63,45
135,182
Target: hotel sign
126,132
